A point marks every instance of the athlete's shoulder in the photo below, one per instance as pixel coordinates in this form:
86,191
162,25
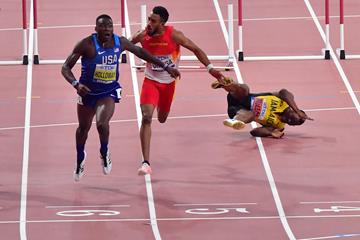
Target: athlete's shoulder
84,46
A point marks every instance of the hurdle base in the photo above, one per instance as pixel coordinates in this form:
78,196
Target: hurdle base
340,53
240,56
327,54
25,60
36,59
123,58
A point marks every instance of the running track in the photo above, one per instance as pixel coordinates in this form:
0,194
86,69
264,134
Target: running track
209,182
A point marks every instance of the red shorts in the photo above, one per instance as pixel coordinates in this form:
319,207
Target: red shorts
158,94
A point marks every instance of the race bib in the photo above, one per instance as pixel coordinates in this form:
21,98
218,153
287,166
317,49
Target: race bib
105,73
259,108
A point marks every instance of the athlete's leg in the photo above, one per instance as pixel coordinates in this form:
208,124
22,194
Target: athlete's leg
85,116
166,97
162,116
147,111
104,111
239,121
244,116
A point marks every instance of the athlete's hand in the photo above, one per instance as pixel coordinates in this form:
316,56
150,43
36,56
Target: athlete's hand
173,72
303,116
218,75
82,90
277,133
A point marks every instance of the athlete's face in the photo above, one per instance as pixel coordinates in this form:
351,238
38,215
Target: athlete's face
154,24
292,118
104,28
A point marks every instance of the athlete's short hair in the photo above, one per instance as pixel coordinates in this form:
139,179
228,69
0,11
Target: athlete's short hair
162,12
103,16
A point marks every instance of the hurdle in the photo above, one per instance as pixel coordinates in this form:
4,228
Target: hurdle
36,49
230,48
25,59
37,60
341,51
123,30
325,52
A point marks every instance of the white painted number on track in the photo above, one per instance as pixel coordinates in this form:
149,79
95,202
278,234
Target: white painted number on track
207,211
337,209
84,213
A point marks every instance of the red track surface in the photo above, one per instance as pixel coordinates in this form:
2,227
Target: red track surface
197,163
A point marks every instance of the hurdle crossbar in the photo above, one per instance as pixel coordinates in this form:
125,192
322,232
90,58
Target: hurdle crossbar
325,53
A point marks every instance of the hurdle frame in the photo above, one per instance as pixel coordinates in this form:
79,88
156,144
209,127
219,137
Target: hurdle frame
341,51
37,60
25,57
325,52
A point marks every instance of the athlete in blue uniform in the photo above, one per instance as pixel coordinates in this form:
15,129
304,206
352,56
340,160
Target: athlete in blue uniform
98,87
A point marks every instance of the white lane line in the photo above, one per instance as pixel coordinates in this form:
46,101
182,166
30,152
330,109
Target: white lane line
333,236
334,57
333,202
149,192
264,159
180,219
25,162
169,118
211,204
90,206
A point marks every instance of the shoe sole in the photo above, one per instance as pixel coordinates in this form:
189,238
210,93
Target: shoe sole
143,173
237,126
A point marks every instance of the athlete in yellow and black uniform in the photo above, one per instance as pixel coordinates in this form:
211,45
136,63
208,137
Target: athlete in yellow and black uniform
273,110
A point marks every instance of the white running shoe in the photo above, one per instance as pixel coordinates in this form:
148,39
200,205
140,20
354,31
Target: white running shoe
235,124
144,169
79,169
106,163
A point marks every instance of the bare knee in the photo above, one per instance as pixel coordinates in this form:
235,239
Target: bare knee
102,126
146,119
83,129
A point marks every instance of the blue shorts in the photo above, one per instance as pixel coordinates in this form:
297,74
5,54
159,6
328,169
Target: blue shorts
91,99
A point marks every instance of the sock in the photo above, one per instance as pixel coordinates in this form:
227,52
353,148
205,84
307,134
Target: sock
80,152
146,161
103,148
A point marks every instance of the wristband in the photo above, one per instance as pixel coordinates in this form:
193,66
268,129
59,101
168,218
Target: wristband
75,83
209,67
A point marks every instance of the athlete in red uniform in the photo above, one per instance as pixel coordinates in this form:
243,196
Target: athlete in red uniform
158,88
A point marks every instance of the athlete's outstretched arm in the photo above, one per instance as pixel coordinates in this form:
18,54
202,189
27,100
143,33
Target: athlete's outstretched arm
182,40
145,55
137,37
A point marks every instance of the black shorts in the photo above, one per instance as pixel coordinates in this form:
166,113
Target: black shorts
234,105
